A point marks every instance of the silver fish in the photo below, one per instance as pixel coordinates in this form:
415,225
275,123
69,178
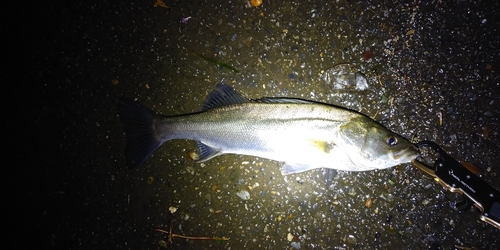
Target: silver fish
303,134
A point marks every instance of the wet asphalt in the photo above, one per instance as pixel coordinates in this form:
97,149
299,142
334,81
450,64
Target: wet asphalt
432,69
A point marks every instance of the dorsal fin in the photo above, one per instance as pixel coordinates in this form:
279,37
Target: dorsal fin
222,95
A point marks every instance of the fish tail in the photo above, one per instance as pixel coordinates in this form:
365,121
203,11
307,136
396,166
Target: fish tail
138,122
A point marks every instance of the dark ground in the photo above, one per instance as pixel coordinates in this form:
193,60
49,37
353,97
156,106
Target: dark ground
67,182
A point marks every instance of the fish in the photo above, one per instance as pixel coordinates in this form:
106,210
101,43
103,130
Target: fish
300,134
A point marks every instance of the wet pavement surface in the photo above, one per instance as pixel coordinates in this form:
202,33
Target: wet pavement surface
432,73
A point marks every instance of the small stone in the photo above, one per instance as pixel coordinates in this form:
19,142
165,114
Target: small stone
295,245
162,243
243,194
368,202
194,155
150,180
351,240
172,209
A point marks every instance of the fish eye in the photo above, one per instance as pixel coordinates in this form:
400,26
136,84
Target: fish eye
391,140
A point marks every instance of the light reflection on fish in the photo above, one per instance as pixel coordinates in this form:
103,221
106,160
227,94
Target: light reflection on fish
303,134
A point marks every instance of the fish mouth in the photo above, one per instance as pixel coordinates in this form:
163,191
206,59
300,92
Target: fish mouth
406,155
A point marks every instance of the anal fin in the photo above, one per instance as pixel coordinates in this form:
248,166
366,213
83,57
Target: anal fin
206,152
289,168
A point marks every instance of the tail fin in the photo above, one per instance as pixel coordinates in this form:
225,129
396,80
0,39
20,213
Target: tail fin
138,123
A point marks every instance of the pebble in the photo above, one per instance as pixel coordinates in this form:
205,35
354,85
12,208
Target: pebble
351,240
243,194
172,209
295,245
368,202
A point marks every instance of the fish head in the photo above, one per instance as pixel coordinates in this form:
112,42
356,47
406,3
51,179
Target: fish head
370,145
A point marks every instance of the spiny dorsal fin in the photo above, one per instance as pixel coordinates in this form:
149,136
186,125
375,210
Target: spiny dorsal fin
222,95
